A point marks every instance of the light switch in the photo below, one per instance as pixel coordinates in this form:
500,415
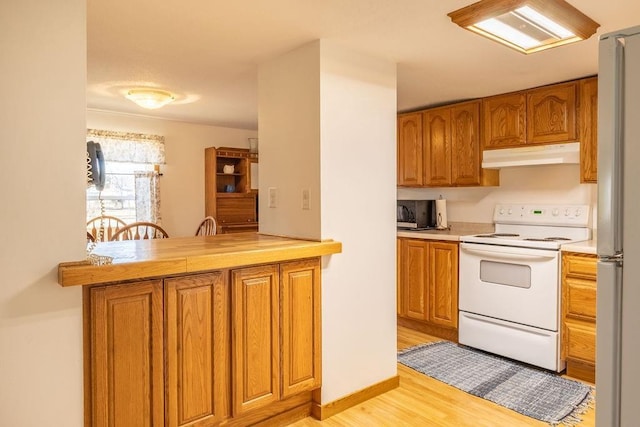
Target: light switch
273,197
306,202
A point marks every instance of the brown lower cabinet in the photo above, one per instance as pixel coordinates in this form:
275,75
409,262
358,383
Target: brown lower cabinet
225,347
428,286
579,273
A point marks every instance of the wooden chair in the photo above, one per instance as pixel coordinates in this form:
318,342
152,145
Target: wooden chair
109,225
140,231
208,227
90,238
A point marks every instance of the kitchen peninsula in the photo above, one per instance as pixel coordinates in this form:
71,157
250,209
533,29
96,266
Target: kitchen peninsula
217,330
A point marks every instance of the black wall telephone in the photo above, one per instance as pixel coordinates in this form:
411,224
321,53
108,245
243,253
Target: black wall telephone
95,165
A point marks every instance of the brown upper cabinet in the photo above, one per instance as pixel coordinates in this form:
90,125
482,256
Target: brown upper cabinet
410,149
440,147
551,114
504,120
436,147
544,115
466,157
588,119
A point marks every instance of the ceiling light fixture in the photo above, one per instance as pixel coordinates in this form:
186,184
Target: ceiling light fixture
150,98
527,26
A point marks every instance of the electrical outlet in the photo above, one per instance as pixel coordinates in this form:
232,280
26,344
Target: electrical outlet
273,197
306,202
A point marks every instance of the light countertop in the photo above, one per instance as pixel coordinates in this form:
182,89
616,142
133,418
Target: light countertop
138,259
586,247
456,229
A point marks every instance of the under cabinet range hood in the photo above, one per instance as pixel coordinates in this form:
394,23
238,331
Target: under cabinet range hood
552,154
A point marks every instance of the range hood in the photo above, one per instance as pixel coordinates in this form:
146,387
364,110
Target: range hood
552,154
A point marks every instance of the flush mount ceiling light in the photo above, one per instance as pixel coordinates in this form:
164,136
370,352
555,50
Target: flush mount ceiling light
527,26
150,98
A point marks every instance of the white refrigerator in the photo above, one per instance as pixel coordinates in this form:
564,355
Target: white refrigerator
618,292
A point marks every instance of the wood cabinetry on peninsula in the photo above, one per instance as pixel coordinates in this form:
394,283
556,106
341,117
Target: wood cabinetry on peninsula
218,330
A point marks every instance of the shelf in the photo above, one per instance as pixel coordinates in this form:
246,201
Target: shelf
230,174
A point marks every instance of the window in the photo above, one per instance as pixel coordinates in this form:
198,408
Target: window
131,190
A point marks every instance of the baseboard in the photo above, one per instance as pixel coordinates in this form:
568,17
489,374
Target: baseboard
322,412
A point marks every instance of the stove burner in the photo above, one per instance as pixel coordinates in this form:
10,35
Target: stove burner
546,239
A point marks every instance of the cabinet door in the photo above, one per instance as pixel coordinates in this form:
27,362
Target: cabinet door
255,338
126,355
436,146
443,284
503,118
197,355
465,137
301,326
414,277
551,114
410,149
588,119
237,209
581,342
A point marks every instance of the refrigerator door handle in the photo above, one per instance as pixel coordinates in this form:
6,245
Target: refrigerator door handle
611,147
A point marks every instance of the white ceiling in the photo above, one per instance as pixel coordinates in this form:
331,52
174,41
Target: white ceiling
208,51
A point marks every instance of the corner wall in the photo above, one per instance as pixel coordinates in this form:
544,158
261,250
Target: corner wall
327,123
43,175
358,176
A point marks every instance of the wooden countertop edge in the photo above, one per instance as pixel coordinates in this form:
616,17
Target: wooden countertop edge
79,274
260,256
82,273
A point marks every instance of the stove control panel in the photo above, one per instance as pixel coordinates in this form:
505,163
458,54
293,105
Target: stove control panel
560,215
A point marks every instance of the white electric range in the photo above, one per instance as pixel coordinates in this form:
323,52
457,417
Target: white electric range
509,281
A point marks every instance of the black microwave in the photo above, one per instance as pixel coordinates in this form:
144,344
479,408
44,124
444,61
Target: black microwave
416,214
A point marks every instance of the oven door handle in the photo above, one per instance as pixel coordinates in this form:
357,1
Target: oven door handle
503,255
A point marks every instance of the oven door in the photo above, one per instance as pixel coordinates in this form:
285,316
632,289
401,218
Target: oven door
514,284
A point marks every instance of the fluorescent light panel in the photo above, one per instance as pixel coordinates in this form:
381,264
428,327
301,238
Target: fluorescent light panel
521,26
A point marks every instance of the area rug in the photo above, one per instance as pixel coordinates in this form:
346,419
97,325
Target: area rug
532,392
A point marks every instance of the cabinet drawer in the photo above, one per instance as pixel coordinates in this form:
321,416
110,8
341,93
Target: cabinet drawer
580,298
584,266
581,342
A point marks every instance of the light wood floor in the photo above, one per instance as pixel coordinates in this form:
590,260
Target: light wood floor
423,401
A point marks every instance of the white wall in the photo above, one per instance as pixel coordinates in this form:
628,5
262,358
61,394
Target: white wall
322,110
43,175
358,173
289,127
531,184
182,183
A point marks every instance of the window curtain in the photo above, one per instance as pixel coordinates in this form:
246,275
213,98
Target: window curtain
136,148
148,196
129,147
